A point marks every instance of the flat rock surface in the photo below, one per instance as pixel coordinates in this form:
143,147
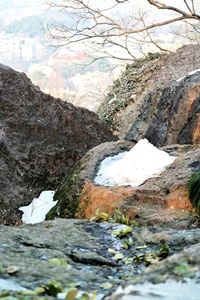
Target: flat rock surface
40,140
88,256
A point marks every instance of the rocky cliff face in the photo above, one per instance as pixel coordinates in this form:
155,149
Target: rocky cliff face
40,138
170,115
147,101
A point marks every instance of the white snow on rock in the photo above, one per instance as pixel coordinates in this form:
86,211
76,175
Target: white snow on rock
189,74
36,211
132,168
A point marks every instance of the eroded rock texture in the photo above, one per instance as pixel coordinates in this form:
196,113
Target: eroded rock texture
75,254
175,277
40,139
171,115
147,101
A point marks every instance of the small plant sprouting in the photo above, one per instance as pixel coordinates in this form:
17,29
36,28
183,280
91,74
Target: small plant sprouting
117,217
121,218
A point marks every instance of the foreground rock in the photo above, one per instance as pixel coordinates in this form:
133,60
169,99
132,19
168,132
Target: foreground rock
63,254
40,139
177,277
159,200
148,101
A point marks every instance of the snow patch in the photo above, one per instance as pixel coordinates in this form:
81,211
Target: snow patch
189,74
36,211
132,168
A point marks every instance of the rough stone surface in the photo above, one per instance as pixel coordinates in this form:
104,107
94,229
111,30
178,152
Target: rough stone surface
160,200
70,191
171,115
40,139
75,253
147,101
177,277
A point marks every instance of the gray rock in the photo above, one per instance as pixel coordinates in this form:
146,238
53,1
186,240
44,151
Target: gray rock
177,277
40,140
159,200
75,253
146,101
170,115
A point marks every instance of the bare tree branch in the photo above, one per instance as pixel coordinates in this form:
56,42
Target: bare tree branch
188,6
101,26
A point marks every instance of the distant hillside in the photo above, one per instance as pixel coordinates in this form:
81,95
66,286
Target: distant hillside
14,4
29,27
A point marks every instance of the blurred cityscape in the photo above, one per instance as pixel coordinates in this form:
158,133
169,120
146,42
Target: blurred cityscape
26,45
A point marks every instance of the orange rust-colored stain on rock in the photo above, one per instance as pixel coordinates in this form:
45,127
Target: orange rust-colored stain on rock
192,96
181,115
178,199
105,199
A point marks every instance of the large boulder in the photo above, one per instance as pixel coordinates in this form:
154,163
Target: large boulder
168,116
73,187
159,200
157,97
41,138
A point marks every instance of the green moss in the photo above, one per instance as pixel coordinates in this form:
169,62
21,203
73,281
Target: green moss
60,262
130,82
68,194
121,218
164,251
117,217
122,231
183,270
4,294
53,288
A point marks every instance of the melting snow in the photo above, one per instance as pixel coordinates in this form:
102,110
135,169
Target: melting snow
39,207
132,168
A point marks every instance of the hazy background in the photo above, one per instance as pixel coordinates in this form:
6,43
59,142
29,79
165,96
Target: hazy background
26,45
